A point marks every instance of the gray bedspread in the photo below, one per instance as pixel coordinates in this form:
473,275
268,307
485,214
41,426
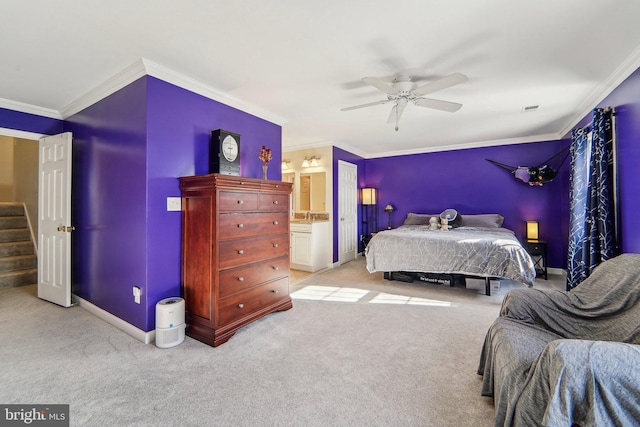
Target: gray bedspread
555,358
472,251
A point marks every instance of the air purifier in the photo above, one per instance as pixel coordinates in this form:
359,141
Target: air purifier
170,324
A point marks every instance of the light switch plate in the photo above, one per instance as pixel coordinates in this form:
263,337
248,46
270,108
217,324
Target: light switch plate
174,204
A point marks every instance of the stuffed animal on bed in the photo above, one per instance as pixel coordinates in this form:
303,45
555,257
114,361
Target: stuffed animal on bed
433,223
444,224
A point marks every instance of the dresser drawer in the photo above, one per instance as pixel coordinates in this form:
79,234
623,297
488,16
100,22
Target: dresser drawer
234,253
273,202
235,201
241,278
237,225
275,186
240,305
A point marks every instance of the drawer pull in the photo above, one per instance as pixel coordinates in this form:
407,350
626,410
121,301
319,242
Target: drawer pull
275,267
240,202
275,202
240,279
275,291
240,225
275,245
240,305
275,222
241,251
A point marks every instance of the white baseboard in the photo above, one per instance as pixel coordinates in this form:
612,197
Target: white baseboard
139,334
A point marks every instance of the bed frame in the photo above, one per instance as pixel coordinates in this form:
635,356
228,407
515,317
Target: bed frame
438,278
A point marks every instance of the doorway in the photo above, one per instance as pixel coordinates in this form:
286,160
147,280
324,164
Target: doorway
19,173
347,211
18,208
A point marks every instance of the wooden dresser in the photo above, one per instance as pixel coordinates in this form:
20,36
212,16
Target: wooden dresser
235,253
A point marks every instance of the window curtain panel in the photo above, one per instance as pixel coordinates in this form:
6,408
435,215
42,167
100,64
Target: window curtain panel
592,237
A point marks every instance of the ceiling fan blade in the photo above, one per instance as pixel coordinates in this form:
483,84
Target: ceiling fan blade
440,84
379,84
437,104
396,111
370,104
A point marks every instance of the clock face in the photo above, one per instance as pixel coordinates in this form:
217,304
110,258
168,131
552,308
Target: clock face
230,148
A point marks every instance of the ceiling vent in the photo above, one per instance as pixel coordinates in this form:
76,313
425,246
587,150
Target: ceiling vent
530,108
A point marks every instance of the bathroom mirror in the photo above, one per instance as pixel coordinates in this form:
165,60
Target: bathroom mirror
312,192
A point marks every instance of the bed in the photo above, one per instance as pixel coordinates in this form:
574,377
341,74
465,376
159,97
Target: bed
478,247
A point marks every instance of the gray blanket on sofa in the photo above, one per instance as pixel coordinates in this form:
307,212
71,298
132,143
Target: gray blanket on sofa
544,359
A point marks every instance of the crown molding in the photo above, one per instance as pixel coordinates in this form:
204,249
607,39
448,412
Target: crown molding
352,150
591,101
144,67
106,88
478,144
171,76
29,109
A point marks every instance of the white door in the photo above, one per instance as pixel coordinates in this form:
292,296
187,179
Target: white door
54,219
347,211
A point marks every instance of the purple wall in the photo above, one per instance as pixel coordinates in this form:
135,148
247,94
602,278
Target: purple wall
179,125
626,100
17,120
109,203
129,150
465,181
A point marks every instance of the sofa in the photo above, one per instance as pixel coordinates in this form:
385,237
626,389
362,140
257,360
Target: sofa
563,358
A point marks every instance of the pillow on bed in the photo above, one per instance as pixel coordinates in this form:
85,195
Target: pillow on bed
419,219
483,220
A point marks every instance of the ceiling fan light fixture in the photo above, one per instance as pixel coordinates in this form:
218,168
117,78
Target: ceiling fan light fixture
404,90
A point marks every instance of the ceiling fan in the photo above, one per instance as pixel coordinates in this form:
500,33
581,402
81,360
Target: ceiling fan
402,90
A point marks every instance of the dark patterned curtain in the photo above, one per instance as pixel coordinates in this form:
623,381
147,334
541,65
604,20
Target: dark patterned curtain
592,236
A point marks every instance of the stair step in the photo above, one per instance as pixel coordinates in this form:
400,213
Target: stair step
11,209
13,222
18,262
14,235
16,248
18,278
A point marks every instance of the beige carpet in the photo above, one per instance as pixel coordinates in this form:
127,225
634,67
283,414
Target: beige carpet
354,350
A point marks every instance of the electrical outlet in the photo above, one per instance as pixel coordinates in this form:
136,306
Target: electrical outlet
136,294
174,204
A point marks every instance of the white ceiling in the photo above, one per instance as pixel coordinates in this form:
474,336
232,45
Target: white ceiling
298,62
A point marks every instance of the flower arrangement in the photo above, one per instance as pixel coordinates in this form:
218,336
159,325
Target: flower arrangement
265,158
265,155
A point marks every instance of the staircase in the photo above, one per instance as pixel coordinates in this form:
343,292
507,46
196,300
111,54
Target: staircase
18,262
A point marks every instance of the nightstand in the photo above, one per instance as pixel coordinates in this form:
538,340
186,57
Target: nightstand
538,251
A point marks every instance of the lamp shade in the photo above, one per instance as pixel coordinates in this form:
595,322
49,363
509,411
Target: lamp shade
389,208
532,230
369,196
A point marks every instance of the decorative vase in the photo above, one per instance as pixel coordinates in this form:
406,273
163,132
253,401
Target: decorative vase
264,171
